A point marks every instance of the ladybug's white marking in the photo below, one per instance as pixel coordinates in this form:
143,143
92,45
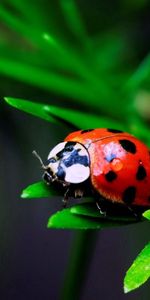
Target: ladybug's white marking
69,162
54,167
56,150
77,173
109,151
113,149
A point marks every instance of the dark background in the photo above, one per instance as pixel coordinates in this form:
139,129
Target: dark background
33,259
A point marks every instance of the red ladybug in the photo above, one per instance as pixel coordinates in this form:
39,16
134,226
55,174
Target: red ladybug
114,164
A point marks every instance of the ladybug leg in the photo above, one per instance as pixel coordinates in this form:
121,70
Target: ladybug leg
66,198
78,193
136,214
102,210
100,203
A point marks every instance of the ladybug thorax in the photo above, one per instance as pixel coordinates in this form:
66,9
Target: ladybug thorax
68,162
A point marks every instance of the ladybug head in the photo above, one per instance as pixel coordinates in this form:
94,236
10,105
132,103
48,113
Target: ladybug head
67,162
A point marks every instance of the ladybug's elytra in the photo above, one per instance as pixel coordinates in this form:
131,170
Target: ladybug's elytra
114,164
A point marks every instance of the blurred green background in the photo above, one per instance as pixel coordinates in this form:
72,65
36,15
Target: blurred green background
92,58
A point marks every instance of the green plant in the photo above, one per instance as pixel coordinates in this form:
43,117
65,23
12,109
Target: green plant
92,74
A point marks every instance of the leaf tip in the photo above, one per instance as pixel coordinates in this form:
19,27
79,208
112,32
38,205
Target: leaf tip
50,222
9,100
146,214
126,289
6,99
24,194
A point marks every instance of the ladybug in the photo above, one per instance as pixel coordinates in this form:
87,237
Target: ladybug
113,164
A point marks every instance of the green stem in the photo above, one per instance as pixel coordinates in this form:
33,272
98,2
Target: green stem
81,254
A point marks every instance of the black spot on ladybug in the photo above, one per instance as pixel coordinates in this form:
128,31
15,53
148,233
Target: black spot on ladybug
76,158
60,154
86,130
110,176
61,173
69,146
110,157
114,130
128,145
149,198
141,173
129,195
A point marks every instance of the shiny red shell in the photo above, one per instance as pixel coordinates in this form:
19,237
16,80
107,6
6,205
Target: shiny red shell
119,165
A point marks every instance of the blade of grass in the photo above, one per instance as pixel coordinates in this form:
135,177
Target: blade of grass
17,24
45,41
47,80
146,214
39,190
138,127
113,212
53,114
108,49
98,89
30,10
82,119
90,91
45,57
140,75
65,219
75,23
66,54
139,272
34,109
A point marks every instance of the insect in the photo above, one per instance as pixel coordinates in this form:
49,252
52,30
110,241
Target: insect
113,164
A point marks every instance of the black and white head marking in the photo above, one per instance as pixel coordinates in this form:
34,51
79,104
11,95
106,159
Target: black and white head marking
69,162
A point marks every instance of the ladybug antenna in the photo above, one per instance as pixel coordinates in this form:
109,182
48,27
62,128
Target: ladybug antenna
40,159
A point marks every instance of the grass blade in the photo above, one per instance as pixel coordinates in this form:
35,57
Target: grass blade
146,214
75,23
141,75
65,219
32,108
39,190
139,272
114,212
48,80
51,113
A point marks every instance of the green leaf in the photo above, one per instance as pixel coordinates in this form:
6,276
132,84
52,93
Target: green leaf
139,128
52,113
70,218
32,108
80,216
74,20
39,190
139,271
50,81
23,7
72,17
81,119
108,51
146,214
66,220
113,212
141,75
